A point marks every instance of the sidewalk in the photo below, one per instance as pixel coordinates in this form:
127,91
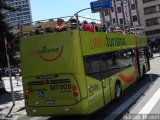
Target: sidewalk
6,104
155,55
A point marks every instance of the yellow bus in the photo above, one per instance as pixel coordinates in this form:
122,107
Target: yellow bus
78,72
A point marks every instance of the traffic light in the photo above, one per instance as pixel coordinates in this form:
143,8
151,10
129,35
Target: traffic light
9,47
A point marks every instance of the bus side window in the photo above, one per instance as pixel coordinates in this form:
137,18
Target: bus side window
145,52
130,57
96,66
113,63
133,56
127,60
141,54
114,58
103,63
91,64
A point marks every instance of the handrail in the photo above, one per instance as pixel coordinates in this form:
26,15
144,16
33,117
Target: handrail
77,13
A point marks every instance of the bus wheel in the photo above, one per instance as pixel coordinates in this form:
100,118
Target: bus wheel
118,90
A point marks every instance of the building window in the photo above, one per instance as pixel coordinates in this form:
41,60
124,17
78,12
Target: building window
112,9
113,20
153,21
106,12
10,0
135,18
26,5
150,10
152,32
26,9
133,7
146,1
26,13
121,21
119,9
100,66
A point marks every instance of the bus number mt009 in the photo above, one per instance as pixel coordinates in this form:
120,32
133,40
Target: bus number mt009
65,86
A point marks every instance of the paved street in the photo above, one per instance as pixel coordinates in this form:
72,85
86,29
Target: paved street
6,104
142,98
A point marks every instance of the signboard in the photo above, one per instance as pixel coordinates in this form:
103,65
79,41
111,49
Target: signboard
96,6
126,11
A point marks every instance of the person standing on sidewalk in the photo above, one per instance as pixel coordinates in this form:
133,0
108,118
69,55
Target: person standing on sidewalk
159,49
2,86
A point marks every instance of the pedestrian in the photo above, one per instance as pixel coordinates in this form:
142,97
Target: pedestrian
94,26
159,49
60,26
86,27
104,28
73,24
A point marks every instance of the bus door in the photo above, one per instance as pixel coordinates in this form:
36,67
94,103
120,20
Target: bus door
147,57
113,67
106,90
137,62
97,81
105,79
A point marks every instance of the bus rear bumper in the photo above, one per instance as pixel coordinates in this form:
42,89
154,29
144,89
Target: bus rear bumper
80,108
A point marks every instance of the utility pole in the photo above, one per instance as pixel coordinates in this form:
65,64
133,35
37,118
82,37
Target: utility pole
102,16
9,70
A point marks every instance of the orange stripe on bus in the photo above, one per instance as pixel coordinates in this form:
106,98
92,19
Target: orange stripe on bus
127,79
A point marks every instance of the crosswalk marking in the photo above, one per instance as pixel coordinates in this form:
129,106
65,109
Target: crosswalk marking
151,103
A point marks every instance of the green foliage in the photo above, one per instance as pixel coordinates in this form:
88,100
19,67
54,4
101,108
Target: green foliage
4,33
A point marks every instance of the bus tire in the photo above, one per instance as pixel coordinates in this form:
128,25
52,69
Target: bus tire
118,90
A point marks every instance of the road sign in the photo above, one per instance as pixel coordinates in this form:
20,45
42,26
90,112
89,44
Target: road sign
96,6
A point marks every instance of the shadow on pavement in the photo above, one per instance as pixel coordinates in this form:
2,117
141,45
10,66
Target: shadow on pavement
10,110
7,97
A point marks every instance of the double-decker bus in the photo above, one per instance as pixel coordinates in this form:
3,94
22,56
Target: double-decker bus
78,72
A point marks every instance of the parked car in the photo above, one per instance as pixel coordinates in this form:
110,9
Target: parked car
150,52
14,71
2,72
2,86
20,72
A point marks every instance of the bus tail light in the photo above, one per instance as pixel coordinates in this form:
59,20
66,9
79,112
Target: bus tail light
73,88
28,90
75,94
46,82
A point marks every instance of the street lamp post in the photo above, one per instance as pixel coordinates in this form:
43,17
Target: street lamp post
102,16
137,10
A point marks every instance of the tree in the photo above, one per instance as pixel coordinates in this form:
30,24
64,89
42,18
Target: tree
4,31
3,25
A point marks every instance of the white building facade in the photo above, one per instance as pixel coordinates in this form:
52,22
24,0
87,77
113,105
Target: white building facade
149,13
143,13
124,12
